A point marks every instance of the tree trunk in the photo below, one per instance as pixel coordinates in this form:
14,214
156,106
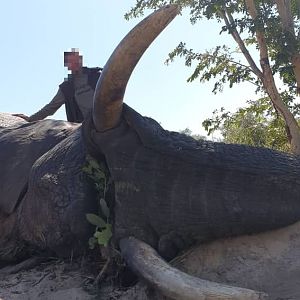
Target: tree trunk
288,26
269,83
292,127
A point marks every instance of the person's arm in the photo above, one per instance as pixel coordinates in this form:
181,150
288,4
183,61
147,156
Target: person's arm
50,108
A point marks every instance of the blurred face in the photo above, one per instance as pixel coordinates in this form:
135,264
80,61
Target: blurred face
73,62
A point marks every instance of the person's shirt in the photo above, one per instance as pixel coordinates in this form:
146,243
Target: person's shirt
84,94
50,108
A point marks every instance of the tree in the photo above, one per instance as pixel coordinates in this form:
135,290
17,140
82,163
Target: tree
257,124
267,26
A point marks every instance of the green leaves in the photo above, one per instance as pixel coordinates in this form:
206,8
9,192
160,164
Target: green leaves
267,34
96,220
101,237
218,64
104,208
104,235
96,172
103,231
257,124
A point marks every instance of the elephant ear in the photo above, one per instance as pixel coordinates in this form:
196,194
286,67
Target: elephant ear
21,146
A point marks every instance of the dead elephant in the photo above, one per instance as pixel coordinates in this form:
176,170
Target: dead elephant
170,191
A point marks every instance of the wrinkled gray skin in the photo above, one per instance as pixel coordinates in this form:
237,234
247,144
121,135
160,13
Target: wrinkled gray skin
170,190
44,193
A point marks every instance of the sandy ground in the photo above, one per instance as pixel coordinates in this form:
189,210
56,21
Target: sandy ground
62,280
51,280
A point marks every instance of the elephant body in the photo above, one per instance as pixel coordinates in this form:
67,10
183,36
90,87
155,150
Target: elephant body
208,190
169,190
44,193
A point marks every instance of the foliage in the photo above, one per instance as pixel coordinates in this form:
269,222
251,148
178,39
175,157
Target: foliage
257,124
217,64
222,60
103,231
267,36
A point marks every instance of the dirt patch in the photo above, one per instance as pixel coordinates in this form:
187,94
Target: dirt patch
51,280
64,280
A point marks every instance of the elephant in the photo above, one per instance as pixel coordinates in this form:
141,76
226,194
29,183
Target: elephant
169,191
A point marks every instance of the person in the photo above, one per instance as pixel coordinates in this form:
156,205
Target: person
76,92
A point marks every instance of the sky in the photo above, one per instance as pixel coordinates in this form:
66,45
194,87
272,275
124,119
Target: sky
35,33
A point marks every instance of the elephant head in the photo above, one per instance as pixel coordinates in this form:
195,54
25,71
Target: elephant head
172,191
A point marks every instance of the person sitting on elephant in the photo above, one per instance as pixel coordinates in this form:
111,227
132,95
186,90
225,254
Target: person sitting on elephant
76,92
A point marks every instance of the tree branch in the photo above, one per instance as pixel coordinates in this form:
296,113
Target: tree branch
285,12
263,50
269,82
287,23
230,24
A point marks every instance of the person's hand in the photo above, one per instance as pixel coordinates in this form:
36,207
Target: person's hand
21,116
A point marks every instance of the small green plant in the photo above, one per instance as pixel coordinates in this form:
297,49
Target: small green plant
103,231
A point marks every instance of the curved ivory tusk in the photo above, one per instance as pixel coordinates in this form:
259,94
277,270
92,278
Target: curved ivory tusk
171,282
108,98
